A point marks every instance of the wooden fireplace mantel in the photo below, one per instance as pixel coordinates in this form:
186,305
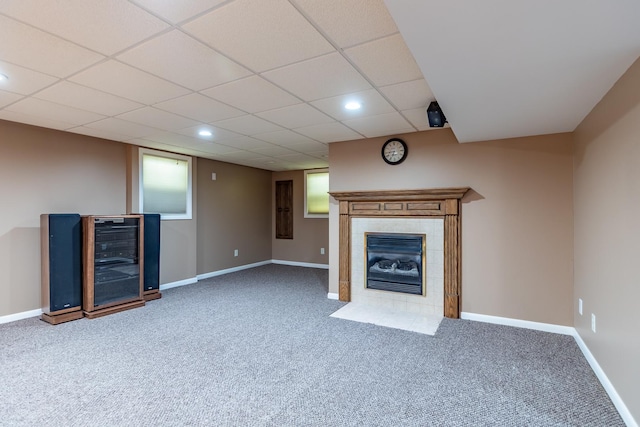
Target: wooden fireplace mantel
438,202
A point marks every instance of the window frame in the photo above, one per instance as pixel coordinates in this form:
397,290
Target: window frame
173,156
306,212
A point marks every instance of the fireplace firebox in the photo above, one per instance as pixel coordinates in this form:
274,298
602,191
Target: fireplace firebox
396,262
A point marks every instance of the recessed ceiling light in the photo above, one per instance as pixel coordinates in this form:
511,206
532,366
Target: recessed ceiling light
205,133
352,105
3,77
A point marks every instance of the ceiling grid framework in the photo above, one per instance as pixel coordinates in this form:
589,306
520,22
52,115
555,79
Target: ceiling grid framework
269,78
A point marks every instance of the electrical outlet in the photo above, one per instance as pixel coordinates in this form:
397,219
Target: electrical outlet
593,322
321,251
580,306
235,252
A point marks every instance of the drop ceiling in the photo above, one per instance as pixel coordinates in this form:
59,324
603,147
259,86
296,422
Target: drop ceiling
269,78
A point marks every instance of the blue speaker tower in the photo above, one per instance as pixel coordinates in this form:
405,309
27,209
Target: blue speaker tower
61,272
151,257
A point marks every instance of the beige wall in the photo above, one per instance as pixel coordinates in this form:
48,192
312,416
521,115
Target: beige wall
234,212
309,234
48,171
178,238
517,226
607,234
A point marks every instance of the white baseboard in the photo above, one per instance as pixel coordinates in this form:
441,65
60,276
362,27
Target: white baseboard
604,380
231,270
526,324
564,330
300,264
183,282
19,316
331,295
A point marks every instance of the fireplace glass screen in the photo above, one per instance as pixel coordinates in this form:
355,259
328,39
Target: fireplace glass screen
396,262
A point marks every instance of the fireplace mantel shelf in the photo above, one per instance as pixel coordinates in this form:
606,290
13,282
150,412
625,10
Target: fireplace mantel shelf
438,202
391,195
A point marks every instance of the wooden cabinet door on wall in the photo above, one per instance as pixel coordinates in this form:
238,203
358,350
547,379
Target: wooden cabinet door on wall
284,209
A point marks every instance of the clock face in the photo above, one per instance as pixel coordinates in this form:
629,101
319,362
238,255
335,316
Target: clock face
394,151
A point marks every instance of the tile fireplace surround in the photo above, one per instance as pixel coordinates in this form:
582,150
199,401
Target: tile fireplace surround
432,302
443,203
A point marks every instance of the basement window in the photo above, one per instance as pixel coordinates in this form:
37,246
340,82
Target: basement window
316,193
165,184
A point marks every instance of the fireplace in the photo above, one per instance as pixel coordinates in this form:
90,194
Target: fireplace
403,205
395,262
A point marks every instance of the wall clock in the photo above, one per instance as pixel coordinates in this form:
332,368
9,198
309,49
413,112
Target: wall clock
394,151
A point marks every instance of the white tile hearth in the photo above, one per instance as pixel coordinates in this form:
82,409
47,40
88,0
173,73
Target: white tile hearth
390,317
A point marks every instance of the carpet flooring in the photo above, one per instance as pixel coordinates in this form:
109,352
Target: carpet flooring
259,348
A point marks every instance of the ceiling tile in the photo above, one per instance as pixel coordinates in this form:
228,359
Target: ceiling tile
303,161
372,104
307,147
283,137
127,82
182,140
384,124
296,116
351,22
330,132
260,34
183,60
324,154
418,118
246,143
7,98
247,125
409,95
216,148
52,111
252,94
153,117
123,127
84,98
385,61
297,158
22,80
177,11
166,147
88,23
199,107
274,150
218,134
317,78
315,163
99,133
241,155
269,163
31,48
205,152
13,116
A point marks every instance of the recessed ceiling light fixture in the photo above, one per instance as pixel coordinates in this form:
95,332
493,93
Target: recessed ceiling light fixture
205,133
352,105
3,77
